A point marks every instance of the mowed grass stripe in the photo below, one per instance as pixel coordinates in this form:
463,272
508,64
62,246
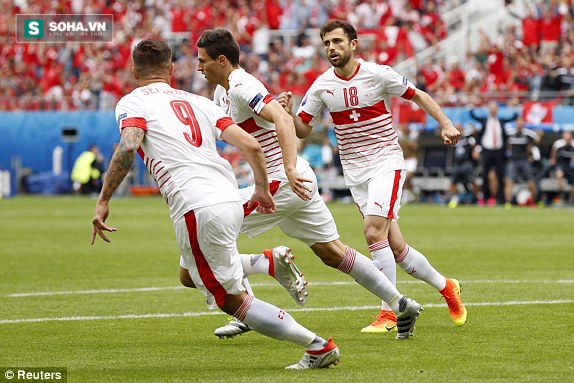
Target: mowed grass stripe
270,284
206,313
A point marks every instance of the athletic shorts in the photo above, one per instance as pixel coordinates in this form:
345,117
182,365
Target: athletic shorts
568,172
308,221
381,195
463,173
519,170
207,239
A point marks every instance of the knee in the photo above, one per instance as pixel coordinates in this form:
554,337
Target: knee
233,302
185,278
371,236
330,253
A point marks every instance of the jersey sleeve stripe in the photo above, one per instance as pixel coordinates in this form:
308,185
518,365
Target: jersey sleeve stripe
409,93
268,98
305,117
350,116
224,122
138,122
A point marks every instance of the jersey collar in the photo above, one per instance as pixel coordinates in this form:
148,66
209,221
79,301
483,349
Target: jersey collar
353,75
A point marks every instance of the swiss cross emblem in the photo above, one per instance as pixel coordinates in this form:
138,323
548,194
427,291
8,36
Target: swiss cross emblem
355,116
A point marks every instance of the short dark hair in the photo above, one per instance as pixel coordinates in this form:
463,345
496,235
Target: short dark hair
151,56
331,25
219,42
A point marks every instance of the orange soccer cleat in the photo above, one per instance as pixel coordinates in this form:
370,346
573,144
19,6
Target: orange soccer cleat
385,321
451,294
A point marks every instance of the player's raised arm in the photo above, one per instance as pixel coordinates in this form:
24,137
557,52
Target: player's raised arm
120,165
301,129
449,133
284,126
250,147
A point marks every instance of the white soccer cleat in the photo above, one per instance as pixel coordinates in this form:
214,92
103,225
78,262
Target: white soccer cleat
327,356
231,329
282,267
409,310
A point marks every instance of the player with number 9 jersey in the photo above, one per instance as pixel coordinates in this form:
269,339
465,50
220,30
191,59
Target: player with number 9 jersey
189,171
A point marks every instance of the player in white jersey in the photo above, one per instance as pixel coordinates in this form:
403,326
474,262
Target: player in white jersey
175,132
300,211
357,94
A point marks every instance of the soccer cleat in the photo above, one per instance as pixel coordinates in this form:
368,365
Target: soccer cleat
451,294
283,269
385,321
409,310
325,357
452,203
231,329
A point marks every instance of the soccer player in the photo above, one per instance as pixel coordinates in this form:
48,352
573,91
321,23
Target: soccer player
562,158
518,167
492,138
300,211
463,167
175,132
357,94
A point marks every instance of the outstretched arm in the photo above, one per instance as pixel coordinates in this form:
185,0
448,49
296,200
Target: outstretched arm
301,129
120,165
449,133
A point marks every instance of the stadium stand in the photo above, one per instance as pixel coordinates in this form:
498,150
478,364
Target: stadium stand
463,52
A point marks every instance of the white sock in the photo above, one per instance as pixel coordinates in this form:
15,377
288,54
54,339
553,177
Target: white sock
417,265
273,322
247,286
363,270
254,263
384,260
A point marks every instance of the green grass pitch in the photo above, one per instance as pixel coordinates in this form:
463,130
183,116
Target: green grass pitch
116,313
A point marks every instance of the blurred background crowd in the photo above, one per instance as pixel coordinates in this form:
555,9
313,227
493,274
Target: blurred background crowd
521,51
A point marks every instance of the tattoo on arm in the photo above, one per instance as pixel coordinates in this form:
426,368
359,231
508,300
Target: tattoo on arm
122,159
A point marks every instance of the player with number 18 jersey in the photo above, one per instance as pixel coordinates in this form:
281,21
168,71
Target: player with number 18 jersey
361,111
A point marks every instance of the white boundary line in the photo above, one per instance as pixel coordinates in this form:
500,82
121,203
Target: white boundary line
310,309
329,283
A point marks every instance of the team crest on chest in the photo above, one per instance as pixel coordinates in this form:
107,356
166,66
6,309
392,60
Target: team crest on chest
369,84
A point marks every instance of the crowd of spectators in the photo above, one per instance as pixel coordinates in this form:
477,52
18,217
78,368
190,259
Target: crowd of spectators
280,48
275,37
530,58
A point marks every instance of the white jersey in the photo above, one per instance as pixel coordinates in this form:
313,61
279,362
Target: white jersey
361,111
179,146
246,98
